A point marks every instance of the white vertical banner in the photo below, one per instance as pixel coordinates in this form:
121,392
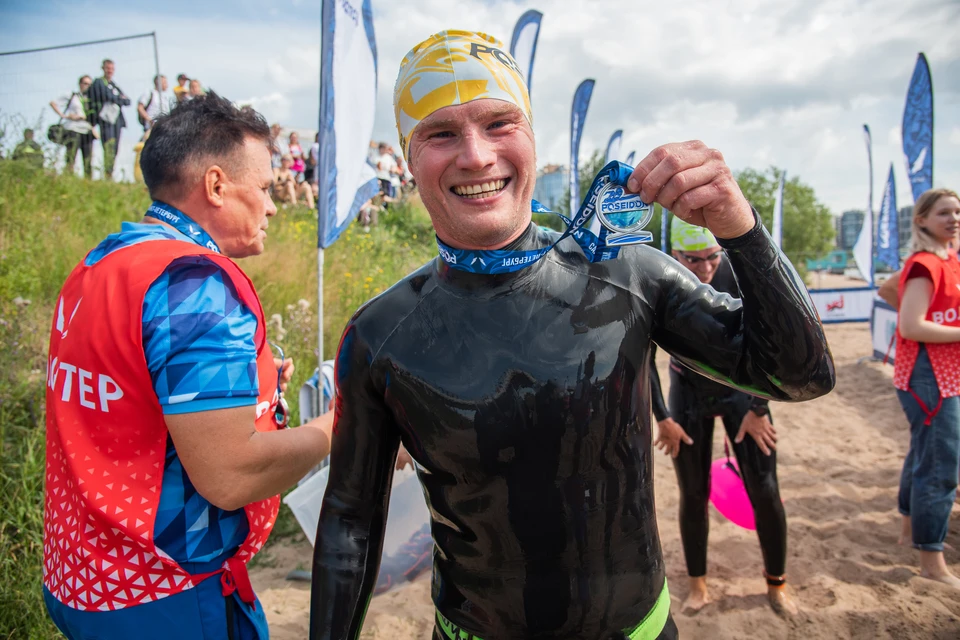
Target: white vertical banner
863,249
523,44
778,213
348,97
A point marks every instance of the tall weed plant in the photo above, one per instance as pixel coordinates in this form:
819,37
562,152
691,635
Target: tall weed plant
48,223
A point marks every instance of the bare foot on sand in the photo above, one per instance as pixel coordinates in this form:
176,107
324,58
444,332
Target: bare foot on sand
698,597
781,601
934,567
945,578
906,532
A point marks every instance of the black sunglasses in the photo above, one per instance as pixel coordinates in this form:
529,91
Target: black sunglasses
697,260
281,414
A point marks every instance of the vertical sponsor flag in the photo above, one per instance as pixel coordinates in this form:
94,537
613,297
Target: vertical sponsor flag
888,240
613,146
523,45
917,131
348,95
581,100
664,229
630,157
863,249
778,213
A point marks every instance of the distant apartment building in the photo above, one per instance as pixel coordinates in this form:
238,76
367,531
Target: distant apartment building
551,186
848,229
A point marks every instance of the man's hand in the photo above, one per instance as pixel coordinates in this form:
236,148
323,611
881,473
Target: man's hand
760,429
693,181
669,435
285,367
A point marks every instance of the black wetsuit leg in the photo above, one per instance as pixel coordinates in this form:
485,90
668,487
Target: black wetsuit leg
759,473
692,466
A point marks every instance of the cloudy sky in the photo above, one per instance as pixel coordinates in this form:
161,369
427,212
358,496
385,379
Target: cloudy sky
787,83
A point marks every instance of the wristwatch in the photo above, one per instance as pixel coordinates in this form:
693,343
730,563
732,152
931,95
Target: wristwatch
760,410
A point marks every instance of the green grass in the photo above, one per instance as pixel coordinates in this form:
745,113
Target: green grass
47,224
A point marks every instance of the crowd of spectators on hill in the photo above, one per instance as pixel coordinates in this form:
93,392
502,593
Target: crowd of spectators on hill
93,111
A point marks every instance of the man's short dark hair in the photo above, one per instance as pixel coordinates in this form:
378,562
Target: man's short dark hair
105,61
207,127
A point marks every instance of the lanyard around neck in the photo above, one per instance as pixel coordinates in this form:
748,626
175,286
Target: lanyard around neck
182,223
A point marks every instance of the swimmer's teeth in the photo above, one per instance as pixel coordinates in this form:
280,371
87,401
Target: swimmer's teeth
480,190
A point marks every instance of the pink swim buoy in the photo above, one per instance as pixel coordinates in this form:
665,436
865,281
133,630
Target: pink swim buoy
729,495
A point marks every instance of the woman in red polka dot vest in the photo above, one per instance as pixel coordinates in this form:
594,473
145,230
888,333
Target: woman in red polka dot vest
927,378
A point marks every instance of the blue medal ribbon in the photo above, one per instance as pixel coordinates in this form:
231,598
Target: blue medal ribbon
182,223
494,261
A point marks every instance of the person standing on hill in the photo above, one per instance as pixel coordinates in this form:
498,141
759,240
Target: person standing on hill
166,439
685,432
106,100
78,131
927,378
154,103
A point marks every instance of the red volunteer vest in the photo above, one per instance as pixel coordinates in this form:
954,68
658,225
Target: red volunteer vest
106,439
945,310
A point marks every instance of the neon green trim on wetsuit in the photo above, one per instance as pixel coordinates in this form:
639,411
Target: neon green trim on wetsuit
648,629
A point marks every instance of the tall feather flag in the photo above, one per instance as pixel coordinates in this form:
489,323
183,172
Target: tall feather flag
917,130
888,236
630,157
523,45
581,100
613,146
778,213
863,249
348,94
664,229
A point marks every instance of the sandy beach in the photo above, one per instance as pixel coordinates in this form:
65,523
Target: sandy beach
839,465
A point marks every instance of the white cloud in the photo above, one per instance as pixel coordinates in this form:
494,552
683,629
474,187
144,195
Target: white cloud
788,83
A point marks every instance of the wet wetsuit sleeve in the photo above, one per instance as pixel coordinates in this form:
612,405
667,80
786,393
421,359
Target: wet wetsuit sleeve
770,343
659,407
350,531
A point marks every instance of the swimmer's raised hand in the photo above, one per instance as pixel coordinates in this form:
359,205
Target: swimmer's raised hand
694,182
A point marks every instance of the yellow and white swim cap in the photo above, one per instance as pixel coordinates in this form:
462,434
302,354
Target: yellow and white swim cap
689,237
450,68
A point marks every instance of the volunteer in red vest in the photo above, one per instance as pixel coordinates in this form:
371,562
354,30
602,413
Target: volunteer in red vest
927,378
166,450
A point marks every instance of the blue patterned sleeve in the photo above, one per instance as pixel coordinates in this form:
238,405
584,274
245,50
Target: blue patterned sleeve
198,339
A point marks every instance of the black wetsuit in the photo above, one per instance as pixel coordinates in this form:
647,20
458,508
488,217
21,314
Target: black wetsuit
524,399
695,402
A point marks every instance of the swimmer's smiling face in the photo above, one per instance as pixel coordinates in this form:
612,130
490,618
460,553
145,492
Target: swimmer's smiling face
475,167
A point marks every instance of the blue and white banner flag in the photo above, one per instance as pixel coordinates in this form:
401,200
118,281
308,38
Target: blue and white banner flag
630,157
917,131
523,45
778,213
664,229
348,95
578,114
613,147
863,249
888,232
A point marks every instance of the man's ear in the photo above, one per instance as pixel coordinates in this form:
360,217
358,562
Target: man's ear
214,185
